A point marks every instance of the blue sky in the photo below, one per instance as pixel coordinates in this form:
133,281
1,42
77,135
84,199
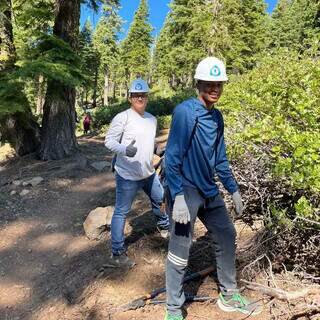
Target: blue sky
158,11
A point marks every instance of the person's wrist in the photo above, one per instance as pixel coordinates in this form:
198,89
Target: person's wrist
123,149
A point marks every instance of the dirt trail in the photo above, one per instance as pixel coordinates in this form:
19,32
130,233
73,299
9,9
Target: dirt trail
50,270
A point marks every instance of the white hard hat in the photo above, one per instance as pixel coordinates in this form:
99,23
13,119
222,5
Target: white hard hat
138,85
211,69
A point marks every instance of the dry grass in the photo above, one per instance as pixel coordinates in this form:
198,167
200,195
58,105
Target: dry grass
5,152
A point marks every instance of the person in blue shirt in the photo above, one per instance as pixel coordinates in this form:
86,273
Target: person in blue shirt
195,154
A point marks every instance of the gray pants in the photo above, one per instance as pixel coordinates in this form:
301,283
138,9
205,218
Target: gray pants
213,214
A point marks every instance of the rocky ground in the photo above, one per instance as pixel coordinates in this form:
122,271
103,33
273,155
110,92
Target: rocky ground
49,269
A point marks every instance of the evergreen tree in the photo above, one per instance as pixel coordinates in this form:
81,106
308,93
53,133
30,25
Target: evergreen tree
105,42
183,48
90,62
135,55
162,66
58,124
7,48
295,24
233,30
251,34
32,19
17,124
177,48
47,50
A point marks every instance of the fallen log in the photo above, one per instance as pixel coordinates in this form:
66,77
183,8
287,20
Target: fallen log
280,293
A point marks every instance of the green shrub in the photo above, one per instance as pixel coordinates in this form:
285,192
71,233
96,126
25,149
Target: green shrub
157,106
274,112
164,122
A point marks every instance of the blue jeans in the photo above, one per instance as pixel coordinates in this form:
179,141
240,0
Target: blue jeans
126,191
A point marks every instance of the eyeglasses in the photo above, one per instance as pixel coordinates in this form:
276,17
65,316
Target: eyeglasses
139,96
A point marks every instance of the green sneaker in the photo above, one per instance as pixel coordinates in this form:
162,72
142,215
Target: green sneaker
172,317
237,302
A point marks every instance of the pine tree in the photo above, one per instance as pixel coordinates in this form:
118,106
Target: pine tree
177,48
7,48
90,62
47,50
230,29
105,42
17,124
254,31
183,47
58,124
135,55
295,24
162,66
32,19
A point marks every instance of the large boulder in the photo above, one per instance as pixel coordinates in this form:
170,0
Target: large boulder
98,221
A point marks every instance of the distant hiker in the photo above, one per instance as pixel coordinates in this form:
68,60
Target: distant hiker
86,123
132,137
195,152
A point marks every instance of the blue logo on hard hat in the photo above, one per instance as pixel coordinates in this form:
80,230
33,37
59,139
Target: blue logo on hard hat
215,71
138,86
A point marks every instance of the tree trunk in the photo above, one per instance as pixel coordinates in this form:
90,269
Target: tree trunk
86,98
216,7
19,129
190,81
173,81
126,92
95,88
7,49
106,88
120,90
59,140
114,88
58,124
40,95
22,133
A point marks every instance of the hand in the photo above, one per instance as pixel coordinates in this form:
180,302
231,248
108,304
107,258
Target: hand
180,211
131,150
237,200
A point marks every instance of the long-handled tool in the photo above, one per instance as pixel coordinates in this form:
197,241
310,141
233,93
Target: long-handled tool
189,298
142,301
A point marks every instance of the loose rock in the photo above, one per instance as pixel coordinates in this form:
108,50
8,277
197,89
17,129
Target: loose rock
17,183
97,222
33,182
100,165
24,192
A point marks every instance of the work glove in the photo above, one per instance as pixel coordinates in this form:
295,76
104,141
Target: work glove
237,200
180,211
131,150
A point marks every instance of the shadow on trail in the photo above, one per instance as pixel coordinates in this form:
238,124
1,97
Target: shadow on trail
45,259
142,225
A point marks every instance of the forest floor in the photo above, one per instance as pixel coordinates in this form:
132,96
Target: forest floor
50,270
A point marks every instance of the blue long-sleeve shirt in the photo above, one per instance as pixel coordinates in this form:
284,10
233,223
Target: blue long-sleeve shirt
196,150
